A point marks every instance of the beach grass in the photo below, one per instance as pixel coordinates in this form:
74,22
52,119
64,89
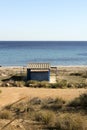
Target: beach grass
66,117
61,105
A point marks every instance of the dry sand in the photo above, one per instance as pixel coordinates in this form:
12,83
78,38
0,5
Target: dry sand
11,95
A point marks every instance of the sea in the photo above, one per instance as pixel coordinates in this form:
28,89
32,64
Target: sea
62,53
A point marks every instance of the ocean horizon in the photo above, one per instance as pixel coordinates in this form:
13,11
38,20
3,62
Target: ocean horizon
64,53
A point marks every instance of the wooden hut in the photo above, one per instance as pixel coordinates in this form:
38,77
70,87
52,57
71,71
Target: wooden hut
38,71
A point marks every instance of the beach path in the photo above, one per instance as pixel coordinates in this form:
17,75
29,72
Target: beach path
10,94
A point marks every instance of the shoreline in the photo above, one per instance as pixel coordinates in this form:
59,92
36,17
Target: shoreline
51,66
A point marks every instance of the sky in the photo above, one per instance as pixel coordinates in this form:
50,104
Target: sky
43,20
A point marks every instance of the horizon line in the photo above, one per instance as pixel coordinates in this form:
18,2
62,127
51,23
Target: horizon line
43,40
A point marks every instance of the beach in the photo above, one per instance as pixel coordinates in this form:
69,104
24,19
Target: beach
15,97
11,94
43,65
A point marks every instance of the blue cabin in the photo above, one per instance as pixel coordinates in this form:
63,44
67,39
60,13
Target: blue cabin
38,71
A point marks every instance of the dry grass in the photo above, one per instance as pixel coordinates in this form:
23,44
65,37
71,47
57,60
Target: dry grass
45,108
6,114
67,77
32,115
70,121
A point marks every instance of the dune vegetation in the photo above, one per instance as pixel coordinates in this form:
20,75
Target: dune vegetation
47,113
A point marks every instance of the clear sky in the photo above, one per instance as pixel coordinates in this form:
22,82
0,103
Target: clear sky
43,20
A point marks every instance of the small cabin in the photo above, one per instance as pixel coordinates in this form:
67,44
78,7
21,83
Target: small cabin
38,71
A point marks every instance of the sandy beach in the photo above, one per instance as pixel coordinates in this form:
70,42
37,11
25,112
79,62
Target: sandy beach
11,94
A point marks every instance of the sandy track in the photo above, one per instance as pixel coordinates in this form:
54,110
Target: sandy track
10,95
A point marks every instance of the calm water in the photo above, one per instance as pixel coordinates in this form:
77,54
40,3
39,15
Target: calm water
56,53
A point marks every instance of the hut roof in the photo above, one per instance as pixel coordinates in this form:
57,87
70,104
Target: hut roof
39,66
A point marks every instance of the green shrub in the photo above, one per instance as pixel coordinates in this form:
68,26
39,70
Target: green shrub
70,85
62,84
76,74
37,84
45,84
80,85
75,103
81,101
